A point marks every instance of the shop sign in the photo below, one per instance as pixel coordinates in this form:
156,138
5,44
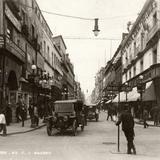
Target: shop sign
148,75
12,18
112,88
126,88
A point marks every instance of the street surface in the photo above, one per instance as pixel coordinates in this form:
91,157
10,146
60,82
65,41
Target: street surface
97,142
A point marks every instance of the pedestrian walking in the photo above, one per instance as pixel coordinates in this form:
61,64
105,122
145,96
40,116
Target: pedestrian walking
31,114
23,114
18,112
3,123
127,121
110,112
155,112
36,117
8,113
85,112
145,117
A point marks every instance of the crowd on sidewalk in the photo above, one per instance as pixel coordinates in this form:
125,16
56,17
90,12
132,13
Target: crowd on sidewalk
142,116
34,112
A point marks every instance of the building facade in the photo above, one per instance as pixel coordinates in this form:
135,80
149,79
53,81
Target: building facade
30,61
68,78
140,52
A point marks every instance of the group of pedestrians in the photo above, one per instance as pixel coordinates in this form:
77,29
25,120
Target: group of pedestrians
21,112
111,112
34,116
155,112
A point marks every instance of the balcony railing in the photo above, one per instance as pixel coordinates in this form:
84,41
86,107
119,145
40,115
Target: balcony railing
1,41
12,47
152,32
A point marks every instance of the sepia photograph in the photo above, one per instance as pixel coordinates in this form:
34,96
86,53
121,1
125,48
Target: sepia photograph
79,79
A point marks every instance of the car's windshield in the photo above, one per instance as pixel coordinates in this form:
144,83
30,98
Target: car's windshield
64,107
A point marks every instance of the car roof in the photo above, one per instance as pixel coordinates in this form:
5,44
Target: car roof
68,101
91,105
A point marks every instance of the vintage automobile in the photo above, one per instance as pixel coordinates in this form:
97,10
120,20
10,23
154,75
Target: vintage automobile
93,112
67,114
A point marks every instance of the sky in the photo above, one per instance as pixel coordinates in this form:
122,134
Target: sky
89,55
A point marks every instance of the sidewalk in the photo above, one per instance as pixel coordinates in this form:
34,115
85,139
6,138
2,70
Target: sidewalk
151,123
16,128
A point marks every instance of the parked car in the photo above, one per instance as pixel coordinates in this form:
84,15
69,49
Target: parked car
67,114
93,112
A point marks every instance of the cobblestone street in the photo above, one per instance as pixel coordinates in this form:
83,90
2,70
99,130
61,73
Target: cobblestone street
97,142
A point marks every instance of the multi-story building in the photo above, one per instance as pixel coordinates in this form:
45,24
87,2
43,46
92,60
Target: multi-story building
30,60
141,55
67,69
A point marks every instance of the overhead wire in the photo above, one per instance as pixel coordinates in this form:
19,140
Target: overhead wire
89,38
77,17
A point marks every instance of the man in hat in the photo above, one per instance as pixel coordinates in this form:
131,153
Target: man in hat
127,121
3,123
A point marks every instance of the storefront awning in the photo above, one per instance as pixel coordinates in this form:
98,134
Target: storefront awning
133,95
122,97
148,95
108,101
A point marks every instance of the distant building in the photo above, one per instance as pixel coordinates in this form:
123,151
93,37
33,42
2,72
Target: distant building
68,78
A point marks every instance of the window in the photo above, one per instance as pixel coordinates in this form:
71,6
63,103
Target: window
135,52
26,47
52,59
48,52
9,30
32,3
44,47
130,74
35,10
154,19
23,17
126,58
142,40
18,42
33,32
155,56
134,71
141,65
126,77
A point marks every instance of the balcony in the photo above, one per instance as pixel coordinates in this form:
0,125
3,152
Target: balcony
14,49
14,6
152,32
1,41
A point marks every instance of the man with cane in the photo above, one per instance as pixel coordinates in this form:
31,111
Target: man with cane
128,128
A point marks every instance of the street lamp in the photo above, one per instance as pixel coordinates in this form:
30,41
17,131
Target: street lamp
65,93
31,78
140,89
96,30
33,75
126,85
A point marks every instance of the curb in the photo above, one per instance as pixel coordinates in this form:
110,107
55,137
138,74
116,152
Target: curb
30,130
151,125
